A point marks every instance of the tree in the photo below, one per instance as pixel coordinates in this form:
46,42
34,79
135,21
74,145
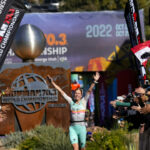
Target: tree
36,1
119,4
80,5
94,5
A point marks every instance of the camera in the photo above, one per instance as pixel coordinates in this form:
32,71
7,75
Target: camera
129,98
124,111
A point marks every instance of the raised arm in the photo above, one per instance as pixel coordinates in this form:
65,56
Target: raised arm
66,97
96,78
55,85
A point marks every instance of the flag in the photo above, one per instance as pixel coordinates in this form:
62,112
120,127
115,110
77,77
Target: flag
9,27
129,21
142,52
4,7
133,22
134,28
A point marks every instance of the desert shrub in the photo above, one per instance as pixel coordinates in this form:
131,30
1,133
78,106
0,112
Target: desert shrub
30,143
109,140
13,139
41,138
47,138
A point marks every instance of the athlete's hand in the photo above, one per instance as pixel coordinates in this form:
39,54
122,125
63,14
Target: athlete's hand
96,76
50,78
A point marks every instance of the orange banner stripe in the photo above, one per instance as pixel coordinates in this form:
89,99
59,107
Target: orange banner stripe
78,111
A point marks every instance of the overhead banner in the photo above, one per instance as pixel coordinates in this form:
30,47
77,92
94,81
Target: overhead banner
11,16
90,41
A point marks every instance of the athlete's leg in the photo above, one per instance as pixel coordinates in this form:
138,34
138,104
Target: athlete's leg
73,138
82,137
75,146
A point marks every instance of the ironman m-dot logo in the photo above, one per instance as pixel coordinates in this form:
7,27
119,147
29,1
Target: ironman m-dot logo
30,93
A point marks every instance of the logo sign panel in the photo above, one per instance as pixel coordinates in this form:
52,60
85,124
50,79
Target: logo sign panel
30,93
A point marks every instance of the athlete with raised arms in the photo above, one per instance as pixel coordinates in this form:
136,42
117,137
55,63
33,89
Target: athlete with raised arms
77,129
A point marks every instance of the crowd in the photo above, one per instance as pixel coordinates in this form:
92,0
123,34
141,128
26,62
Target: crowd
135,108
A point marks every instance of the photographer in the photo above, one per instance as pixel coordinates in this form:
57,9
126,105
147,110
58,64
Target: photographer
144,137
123,105
129,107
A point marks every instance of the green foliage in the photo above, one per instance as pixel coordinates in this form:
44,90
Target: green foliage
37,2
30,144
80,5
147,32
94,5
13,139
41,138
108,5
110,140
148,70
51,138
